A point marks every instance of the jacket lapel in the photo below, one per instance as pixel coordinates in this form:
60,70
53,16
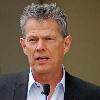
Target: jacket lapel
70,91
21,85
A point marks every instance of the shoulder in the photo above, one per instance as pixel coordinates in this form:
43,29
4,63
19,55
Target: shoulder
12,78
82,87
82,84
9,83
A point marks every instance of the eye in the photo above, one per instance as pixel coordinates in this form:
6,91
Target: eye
32,40
49,38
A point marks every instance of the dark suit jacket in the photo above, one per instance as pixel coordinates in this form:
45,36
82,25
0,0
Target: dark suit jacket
14,87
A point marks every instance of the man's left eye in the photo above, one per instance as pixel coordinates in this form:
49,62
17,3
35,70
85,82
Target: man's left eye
49,38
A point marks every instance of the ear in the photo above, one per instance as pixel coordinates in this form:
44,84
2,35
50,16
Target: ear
23,45
67,43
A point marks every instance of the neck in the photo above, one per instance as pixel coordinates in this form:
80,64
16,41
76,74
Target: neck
49,78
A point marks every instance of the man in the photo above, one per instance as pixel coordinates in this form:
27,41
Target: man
45,41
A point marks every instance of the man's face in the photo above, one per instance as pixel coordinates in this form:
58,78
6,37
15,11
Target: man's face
44,45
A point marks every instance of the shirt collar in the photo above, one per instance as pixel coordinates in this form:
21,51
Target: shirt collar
32,81
63,79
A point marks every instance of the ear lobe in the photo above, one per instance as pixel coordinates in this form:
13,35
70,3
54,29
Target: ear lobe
23,45
67,43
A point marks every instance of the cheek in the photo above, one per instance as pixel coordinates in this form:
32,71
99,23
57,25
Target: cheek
58,52
29,52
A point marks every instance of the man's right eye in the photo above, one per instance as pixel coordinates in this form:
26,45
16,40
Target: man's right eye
32,40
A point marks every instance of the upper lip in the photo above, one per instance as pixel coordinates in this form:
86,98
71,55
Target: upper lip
42,57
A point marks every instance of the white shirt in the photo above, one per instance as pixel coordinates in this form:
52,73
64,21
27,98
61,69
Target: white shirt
35,89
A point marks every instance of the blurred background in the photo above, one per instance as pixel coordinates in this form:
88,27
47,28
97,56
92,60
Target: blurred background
83,60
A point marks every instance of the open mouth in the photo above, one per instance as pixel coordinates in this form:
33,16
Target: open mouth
42,58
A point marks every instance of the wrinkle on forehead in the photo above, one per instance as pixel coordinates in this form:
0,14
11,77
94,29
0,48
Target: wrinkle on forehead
42,33
33,24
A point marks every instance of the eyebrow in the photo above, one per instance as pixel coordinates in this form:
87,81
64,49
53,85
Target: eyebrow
43,36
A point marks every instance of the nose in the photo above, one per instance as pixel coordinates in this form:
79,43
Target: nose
40,45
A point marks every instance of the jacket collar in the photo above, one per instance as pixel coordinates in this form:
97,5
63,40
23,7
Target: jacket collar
21,87
21,84
70,91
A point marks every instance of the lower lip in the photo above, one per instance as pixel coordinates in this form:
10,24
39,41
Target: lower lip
42,61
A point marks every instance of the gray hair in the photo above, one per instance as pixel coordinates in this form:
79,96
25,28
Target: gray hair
45,11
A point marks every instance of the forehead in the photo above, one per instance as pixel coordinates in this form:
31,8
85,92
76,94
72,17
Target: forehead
46,26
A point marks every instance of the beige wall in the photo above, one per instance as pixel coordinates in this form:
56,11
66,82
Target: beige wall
83,59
